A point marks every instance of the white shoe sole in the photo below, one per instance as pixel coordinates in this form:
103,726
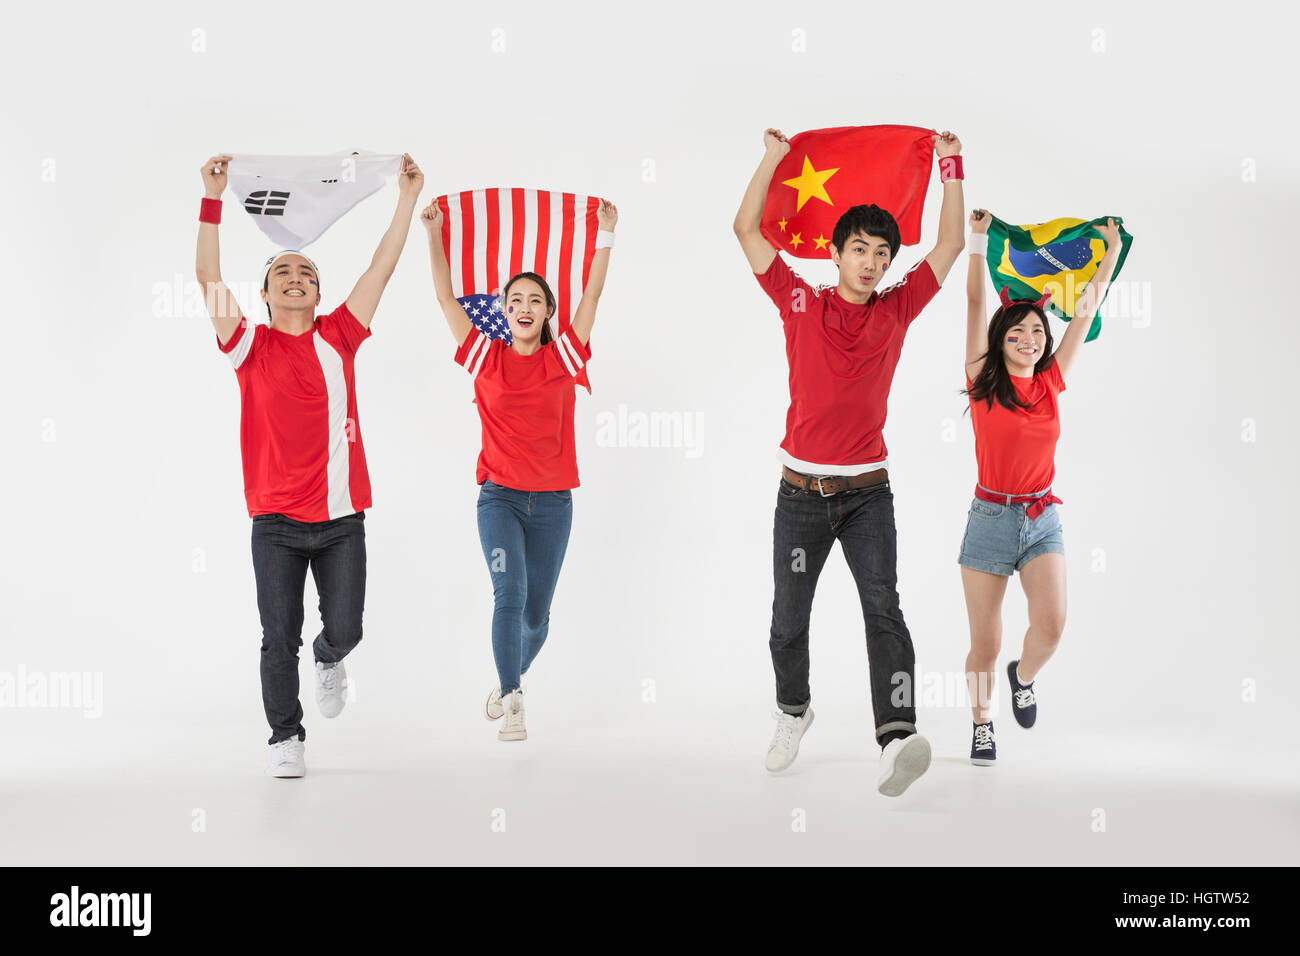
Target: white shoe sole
287,771
912,760
512,735
982,763
786,765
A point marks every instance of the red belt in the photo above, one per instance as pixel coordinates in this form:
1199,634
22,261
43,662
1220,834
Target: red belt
1037,503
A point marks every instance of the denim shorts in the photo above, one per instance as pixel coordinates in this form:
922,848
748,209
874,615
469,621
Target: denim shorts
1000,538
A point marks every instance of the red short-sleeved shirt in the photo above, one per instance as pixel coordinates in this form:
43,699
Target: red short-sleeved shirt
1016,450
525,403
842,359
299,434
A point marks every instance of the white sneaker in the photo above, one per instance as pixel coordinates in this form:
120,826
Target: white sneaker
902,761
512,704
493,709
287,758
785,742
331,680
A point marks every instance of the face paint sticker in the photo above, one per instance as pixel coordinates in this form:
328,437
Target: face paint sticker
1012,338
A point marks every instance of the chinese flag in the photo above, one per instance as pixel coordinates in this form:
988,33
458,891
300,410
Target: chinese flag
829,170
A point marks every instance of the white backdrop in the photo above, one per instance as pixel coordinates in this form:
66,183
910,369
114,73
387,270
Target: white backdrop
1169,706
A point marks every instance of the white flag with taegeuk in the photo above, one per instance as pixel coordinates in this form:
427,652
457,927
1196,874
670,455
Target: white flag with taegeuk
294,199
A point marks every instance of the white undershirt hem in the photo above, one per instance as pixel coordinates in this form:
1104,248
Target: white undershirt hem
816,470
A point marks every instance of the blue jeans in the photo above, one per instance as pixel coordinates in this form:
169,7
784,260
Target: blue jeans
1002,538
283,550
524,536
805,528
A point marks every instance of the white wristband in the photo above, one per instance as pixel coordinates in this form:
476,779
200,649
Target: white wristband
977,244
604,239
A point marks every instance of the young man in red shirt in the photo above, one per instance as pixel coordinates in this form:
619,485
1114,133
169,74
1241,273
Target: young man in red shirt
305,478
843,345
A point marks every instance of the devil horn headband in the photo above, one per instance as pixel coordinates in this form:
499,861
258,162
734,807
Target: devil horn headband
1007,301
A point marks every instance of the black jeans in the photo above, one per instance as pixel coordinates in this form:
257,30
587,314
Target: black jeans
805,528
283,549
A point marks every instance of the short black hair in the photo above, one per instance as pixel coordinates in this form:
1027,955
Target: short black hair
869,221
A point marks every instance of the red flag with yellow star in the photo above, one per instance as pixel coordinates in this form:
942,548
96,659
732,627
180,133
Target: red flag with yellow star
829,170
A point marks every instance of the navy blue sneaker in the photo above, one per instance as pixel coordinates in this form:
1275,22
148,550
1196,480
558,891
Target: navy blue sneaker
983,746
1023,703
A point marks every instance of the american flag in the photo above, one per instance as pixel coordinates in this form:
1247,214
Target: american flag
490,235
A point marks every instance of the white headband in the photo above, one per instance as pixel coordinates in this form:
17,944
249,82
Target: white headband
288,252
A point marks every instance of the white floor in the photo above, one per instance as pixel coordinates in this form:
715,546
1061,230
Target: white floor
651,785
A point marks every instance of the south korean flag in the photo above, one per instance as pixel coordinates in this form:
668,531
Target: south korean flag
294,199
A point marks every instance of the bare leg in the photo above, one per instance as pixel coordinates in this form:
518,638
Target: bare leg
984,593
1043,579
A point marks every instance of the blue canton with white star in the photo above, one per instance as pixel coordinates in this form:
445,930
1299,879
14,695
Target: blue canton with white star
485,312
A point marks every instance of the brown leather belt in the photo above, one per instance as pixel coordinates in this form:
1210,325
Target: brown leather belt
834,484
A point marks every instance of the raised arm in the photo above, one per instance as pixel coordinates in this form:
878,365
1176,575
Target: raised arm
977,323
952,234
222,307
363,300
457,318
749,218
1089,300
585,314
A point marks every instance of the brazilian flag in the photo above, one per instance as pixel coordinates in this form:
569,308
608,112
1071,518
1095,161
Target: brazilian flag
1061,255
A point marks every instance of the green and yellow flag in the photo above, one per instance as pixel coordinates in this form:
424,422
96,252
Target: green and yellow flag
1061,255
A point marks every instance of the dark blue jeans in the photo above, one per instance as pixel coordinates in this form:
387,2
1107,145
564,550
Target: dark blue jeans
524,536
805,528
283,549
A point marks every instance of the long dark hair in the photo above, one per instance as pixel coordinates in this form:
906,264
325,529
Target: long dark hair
546,291
994,381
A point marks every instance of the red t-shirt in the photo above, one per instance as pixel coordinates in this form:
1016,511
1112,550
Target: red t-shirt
525,403
298,428
1016,450
842,359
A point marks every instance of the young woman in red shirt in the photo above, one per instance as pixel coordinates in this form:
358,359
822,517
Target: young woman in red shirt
527,468
1013,380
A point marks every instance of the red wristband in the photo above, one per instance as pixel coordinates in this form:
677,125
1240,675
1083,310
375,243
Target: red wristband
210,211
950,168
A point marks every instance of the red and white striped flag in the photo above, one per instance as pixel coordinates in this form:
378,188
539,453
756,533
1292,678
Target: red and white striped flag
490,235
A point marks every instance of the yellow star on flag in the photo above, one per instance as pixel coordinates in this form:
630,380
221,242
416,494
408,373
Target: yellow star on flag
811,184
795,240
781,224
821,242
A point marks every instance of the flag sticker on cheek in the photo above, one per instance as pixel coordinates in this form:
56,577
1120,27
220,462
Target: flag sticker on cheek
1013,339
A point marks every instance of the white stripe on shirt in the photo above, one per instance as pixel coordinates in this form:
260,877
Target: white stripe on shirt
564,356
247,330
337,471
477,353
567,346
